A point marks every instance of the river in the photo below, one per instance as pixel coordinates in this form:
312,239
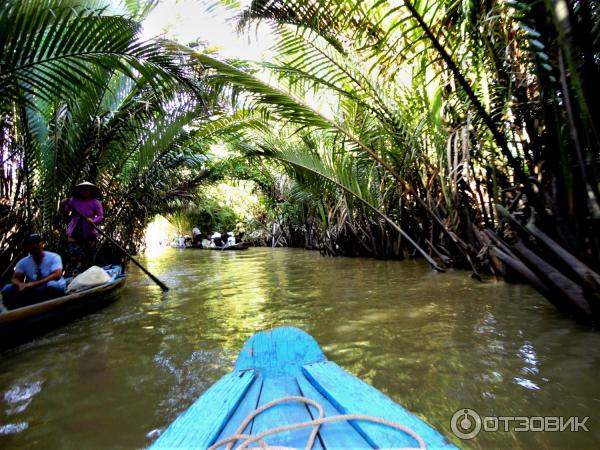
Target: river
436,343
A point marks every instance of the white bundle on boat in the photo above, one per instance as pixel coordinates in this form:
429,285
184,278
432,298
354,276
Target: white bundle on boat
94,276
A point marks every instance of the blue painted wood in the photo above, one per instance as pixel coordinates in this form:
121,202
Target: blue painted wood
350,395
337,435
282,351
248,404
199,426
283,414
285,362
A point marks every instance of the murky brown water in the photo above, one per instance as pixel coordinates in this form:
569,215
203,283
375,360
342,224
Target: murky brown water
433,342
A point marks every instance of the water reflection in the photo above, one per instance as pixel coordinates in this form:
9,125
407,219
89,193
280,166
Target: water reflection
434,342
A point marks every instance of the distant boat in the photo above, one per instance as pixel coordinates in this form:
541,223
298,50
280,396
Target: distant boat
21,324
288,362
240,246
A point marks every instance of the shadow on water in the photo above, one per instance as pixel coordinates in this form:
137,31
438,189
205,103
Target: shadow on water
434,342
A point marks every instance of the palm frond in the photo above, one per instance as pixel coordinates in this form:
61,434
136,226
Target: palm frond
49,49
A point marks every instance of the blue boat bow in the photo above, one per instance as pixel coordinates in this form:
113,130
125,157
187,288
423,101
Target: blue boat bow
288,362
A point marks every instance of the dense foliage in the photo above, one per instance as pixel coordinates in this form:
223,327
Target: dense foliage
467,132
82,97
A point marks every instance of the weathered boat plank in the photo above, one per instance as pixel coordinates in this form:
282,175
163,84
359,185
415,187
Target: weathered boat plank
199,426
284,355
350,395
337,435
248,404
283,414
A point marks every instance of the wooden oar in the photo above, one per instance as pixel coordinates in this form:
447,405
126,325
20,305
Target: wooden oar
116,244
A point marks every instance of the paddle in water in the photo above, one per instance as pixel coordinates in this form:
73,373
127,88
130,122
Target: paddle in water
116,244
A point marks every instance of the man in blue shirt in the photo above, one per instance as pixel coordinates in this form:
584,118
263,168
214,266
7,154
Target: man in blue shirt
37,277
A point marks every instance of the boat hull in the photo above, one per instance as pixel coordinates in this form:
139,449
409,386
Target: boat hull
240,246
288,362
22,324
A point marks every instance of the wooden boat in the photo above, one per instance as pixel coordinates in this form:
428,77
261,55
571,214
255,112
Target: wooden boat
239,246
21,324
288,362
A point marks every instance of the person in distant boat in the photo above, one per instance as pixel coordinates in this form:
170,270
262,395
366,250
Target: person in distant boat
230,238
83,211
197,237
240,230
217,239
37,277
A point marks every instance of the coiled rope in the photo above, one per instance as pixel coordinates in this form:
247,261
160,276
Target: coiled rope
316,423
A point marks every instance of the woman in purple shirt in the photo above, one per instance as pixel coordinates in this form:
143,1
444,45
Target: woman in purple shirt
80,231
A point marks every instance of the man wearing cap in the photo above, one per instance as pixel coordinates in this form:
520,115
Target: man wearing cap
84,211
37,277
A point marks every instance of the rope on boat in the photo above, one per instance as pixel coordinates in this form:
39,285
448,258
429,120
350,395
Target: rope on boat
316,423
